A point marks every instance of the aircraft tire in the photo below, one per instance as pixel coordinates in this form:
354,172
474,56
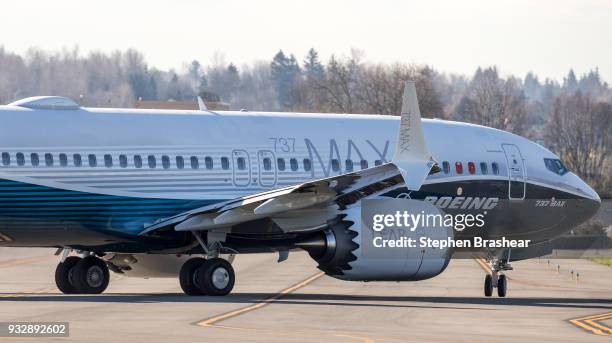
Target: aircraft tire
502,286
217,277
188,277
91,276
64,277
488,285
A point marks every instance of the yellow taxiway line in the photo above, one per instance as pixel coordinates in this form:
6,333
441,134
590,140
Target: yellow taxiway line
593,323
590,323
18,262
212,320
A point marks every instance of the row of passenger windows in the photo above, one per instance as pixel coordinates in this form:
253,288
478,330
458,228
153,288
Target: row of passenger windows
151,161
471,166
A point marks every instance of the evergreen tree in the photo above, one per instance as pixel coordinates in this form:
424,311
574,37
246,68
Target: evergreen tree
285,72
570,83
313,68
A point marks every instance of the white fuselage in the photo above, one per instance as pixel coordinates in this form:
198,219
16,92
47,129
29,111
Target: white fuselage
230,154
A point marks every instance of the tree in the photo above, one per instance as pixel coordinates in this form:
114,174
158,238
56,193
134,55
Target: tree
195,74
224,81
579,132
285,74
497,103
570,83
313,68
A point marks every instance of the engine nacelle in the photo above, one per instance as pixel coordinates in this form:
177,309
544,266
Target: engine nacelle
349,252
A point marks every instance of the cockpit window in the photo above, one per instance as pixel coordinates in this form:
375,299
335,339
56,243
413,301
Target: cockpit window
555,166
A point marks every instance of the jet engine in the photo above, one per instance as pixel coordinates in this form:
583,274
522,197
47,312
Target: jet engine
346,250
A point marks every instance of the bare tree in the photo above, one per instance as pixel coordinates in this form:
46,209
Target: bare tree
495,102
579,131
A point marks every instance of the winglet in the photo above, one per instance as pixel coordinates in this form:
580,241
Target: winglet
412,157
202,104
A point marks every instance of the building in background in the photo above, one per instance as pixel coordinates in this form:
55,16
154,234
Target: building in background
212,101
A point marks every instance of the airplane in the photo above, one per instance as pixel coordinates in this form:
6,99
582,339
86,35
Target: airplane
176,193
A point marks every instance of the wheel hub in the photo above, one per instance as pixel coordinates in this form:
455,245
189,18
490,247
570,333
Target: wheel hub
95,276
220,278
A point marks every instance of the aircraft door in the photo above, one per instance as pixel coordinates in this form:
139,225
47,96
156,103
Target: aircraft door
241,168
516,172
267,168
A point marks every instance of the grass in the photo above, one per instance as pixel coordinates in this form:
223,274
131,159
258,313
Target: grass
607,261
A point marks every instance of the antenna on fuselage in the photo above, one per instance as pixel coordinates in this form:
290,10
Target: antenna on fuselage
202,106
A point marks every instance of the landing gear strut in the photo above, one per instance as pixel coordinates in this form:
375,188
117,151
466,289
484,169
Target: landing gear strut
210,276
213,276
76,275
497,280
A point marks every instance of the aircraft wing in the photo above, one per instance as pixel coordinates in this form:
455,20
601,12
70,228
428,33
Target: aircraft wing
301,207
310,205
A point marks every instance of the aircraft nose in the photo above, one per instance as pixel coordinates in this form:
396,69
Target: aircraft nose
592,201
584,188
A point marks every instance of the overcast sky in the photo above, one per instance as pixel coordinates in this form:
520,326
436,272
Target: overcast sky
547,37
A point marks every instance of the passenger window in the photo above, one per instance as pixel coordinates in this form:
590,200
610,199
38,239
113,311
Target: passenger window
471,168
224,163
267,164
280,162
6,159
483,168
495,168
63,158
108,161
364,164
76,160
293,163
459,167
378,162
48,160
92,160
180,162
165,162
335,165
137,161
34,159
446,167
241,163
349,165
307,164
20,159
152,162
208,162
123,161
195,164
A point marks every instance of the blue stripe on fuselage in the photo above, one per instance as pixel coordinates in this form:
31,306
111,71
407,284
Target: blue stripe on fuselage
21,202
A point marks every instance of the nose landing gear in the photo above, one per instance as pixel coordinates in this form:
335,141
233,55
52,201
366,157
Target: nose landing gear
497,280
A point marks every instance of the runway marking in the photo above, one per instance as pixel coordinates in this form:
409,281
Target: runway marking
47,290
18,262
212,321
481,262
265,302
593,323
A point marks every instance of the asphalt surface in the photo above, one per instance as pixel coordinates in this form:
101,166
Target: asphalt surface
292,302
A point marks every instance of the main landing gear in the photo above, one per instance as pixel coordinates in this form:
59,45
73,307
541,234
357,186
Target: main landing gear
210,276
497,280
214,276
82,275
